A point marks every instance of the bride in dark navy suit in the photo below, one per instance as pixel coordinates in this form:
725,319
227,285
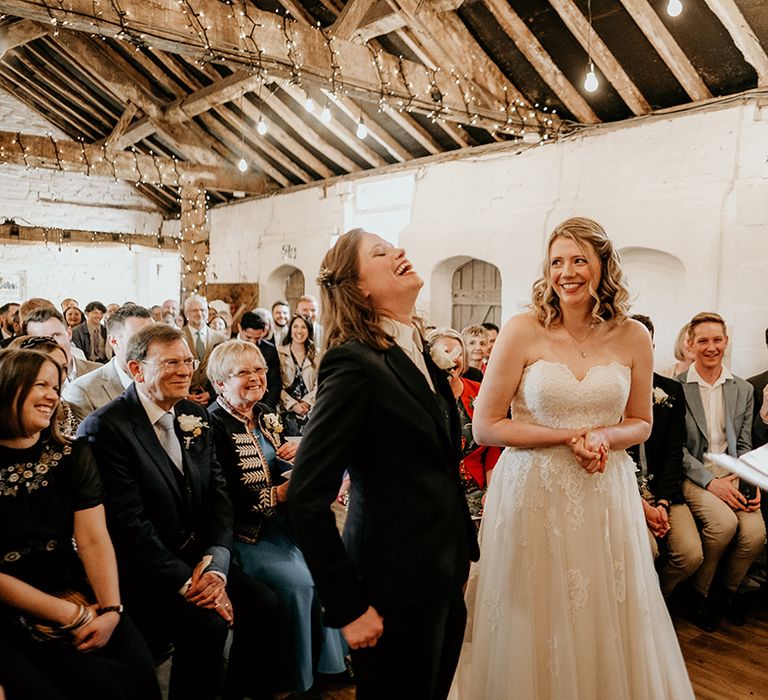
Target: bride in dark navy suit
385,413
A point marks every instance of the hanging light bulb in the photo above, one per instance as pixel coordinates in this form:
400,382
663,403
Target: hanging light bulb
261,127
309,104
362,129
325,115
674,8
590,81
242,165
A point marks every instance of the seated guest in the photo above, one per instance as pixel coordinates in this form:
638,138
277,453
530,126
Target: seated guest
74,317
50,501
683,355
66,419
201,340
67,303
760,425
250,445
156,311
477,461
493,333
281,314
266,314
476,342
660,477
91,336
253,328
11,327
45,320
171,521
99,387
222,323
308,307
298,367
718,420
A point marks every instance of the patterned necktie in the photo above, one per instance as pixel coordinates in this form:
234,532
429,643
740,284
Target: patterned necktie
169,441
200,346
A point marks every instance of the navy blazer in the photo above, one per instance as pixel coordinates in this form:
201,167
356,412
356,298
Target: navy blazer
408,537
160,525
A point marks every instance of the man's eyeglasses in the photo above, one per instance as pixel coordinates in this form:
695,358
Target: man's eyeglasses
248,373
174,365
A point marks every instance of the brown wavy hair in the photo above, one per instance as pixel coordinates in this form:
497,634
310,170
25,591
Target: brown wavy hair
611,296
347,314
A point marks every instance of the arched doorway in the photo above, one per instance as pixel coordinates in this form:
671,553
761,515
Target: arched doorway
294,288
476,294
286,282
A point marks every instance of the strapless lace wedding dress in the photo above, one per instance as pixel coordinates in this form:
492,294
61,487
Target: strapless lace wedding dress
564,603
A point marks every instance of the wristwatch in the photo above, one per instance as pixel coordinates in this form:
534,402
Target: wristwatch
110,608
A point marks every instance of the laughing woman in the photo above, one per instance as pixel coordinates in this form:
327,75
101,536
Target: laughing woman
59,607
252,452
386,413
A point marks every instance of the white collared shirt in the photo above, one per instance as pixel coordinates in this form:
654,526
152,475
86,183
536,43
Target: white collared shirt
714,408
154,413
125,379
409,340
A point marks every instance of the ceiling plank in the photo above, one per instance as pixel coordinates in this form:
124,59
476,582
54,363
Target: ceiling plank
673,56
166,25
122,124
73,156
11,233
298,12
743,36
349,18
357,145
381,24
15,34
527,43
415,130
456,133
601,55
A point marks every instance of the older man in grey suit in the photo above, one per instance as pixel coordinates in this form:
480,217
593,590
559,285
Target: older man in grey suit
718,420
98,388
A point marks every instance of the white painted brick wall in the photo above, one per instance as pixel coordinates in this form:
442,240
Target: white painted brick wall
694,186
47,198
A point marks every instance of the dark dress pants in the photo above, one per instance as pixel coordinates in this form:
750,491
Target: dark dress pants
200,634
416,656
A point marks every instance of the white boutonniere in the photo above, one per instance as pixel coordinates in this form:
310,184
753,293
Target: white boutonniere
661,397
192,426
444,359
273,426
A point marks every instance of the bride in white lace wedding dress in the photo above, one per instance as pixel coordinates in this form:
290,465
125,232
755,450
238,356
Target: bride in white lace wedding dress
564,603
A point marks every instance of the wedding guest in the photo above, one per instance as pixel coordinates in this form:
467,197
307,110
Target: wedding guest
45,320
6,315
251,447
171,306
13,330
201,340
74,317
66,420
269,323
171,521
298,368
91,336
67,303
308,307
156,312
477,461
670,523
50,502
98,388
476,341
29,305
253,328
222,323
111,308
760,424
281,314
386,414
493,333
683,355
718,420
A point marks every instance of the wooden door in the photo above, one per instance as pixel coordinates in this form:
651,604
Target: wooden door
476,294
294,288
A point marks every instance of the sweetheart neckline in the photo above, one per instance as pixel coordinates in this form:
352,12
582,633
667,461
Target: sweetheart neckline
571,372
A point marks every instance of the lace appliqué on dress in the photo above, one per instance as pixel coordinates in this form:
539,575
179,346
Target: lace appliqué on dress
577,590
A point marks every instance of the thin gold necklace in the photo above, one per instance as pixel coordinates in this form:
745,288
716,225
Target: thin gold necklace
579,342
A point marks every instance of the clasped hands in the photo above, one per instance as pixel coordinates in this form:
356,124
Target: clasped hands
591,449
208,590
725,489
656,518
365,630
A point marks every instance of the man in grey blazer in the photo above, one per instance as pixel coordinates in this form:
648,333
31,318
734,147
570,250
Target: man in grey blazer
718,420
98,388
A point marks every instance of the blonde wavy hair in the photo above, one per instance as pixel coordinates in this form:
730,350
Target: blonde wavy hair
611,296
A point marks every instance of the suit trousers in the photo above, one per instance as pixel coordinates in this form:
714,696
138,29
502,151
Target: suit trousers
416,656
200,634
683,549
720,527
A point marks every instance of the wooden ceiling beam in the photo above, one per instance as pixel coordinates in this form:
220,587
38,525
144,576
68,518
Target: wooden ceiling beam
282,48
415,130
11,233
537,56
743,36
349,18
579,26
673,56
456,133
73,156
15,34
298,12
122,124
380,20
